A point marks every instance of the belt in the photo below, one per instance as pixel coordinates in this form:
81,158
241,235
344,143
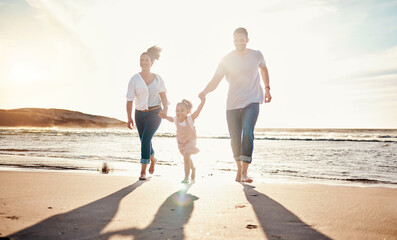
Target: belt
150,109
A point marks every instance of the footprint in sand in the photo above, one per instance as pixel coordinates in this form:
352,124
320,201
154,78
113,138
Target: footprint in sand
251,226
240,206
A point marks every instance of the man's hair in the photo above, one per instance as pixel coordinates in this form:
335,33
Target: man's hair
241,30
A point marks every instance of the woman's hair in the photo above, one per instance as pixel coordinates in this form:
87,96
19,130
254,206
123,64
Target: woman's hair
153,53
188,104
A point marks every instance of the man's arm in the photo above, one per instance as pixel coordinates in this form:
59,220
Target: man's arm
266,81
212,85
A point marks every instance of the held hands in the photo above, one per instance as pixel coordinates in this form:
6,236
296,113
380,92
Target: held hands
163,113
202,96
130,123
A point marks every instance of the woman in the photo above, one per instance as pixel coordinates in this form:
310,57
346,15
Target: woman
149,92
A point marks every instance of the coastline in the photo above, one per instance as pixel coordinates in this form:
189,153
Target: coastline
165,170
96,206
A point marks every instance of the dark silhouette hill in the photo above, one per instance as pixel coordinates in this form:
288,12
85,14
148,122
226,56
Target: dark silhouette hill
42,117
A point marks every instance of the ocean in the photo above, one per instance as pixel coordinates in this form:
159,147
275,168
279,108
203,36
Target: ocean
366,157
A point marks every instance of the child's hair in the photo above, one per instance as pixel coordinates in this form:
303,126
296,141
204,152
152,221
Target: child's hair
153,53
188,104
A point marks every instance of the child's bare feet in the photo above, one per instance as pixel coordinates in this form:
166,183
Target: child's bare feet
186,180
193,175
143,176
245,178
153,161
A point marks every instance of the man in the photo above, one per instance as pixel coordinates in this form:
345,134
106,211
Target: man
240,67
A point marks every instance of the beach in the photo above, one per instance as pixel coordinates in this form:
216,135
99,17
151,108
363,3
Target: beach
70,205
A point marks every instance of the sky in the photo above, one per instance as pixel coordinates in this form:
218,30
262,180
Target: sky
332,64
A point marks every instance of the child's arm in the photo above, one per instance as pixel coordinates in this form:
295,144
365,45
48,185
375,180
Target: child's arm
199,108
169,118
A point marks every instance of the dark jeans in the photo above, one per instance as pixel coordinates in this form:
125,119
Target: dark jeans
147,124
241,123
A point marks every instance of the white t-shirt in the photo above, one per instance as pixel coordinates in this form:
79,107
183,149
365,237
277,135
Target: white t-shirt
242,74
138,90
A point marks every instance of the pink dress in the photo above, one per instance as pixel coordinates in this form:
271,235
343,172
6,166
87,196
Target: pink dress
186,136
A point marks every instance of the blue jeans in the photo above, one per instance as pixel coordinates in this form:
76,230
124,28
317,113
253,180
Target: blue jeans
147,124
241,123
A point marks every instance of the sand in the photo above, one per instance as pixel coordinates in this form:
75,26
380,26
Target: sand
58,205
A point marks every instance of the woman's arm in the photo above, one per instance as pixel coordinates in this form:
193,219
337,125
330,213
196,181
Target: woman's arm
130,122
164,101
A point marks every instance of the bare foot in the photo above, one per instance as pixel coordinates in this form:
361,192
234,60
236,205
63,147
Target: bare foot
186,180
193,176
238,176
153,161
143,176
245,178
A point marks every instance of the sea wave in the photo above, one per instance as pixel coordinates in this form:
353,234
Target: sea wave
296,138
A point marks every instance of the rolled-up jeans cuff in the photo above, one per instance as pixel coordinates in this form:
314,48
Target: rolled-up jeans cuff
237,159
145,161
246,159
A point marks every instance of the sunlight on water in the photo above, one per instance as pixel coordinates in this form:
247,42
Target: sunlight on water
368,156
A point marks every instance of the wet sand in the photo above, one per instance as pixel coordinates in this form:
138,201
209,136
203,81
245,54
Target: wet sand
57,205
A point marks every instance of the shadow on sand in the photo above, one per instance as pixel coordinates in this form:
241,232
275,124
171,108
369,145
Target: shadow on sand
85,222
168,222
278,222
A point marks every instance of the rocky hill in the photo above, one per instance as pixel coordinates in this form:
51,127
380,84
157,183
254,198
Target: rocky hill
41,117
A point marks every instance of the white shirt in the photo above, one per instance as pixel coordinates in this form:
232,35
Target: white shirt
242,74
138,91
183,124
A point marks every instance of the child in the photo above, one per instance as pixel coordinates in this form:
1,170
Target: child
186,134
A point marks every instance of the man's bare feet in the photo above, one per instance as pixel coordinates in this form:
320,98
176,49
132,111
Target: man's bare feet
193,175
238,176
239,169
245,178
143,176
153,161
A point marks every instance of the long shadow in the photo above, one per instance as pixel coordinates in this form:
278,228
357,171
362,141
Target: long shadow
168,222
278,222
85,222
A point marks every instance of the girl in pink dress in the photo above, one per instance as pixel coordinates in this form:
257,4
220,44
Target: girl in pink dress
186,134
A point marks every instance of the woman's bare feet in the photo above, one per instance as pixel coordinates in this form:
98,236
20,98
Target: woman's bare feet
186,180
143,176
153,161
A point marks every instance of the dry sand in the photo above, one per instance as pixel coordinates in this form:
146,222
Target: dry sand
56,205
